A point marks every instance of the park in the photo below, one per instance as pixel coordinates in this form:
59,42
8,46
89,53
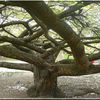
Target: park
51,48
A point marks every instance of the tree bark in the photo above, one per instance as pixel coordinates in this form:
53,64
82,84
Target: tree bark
45,81
45,84
17,66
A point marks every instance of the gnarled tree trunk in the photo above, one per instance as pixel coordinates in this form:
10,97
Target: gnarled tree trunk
45,84
45,78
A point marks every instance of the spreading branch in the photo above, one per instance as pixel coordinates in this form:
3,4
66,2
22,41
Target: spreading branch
9,51
20,42
74,70
17,66
63,29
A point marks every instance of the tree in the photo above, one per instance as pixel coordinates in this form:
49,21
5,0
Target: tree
39,44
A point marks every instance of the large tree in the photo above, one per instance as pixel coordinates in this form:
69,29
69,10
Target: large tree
45,30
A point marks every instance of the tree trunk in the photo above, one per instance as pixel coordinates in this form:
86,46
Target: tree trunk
45,84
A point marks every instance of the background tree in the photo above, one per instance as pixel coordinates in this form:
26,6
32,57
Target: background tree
36,32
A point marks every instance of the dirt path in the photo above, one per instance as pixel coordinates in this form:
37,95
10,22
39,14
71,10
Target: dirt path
15,85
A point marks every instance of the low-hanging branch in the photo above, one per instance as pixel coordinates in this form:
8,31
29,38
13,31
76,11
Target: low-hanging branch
9,51
17,66
61,70
74,70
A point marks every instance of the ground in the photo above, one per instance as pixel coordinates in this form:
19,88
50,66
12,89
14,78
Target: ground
15,85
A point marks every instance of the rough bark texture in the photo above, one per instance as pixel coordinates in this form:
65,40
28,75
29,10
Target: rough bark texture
18,66
45,84
45,70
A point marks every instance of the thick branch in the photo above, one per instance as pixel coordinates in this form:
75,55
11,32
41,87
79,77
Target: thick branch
74,70
18,66
20,42
42,11
12,52
67,70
